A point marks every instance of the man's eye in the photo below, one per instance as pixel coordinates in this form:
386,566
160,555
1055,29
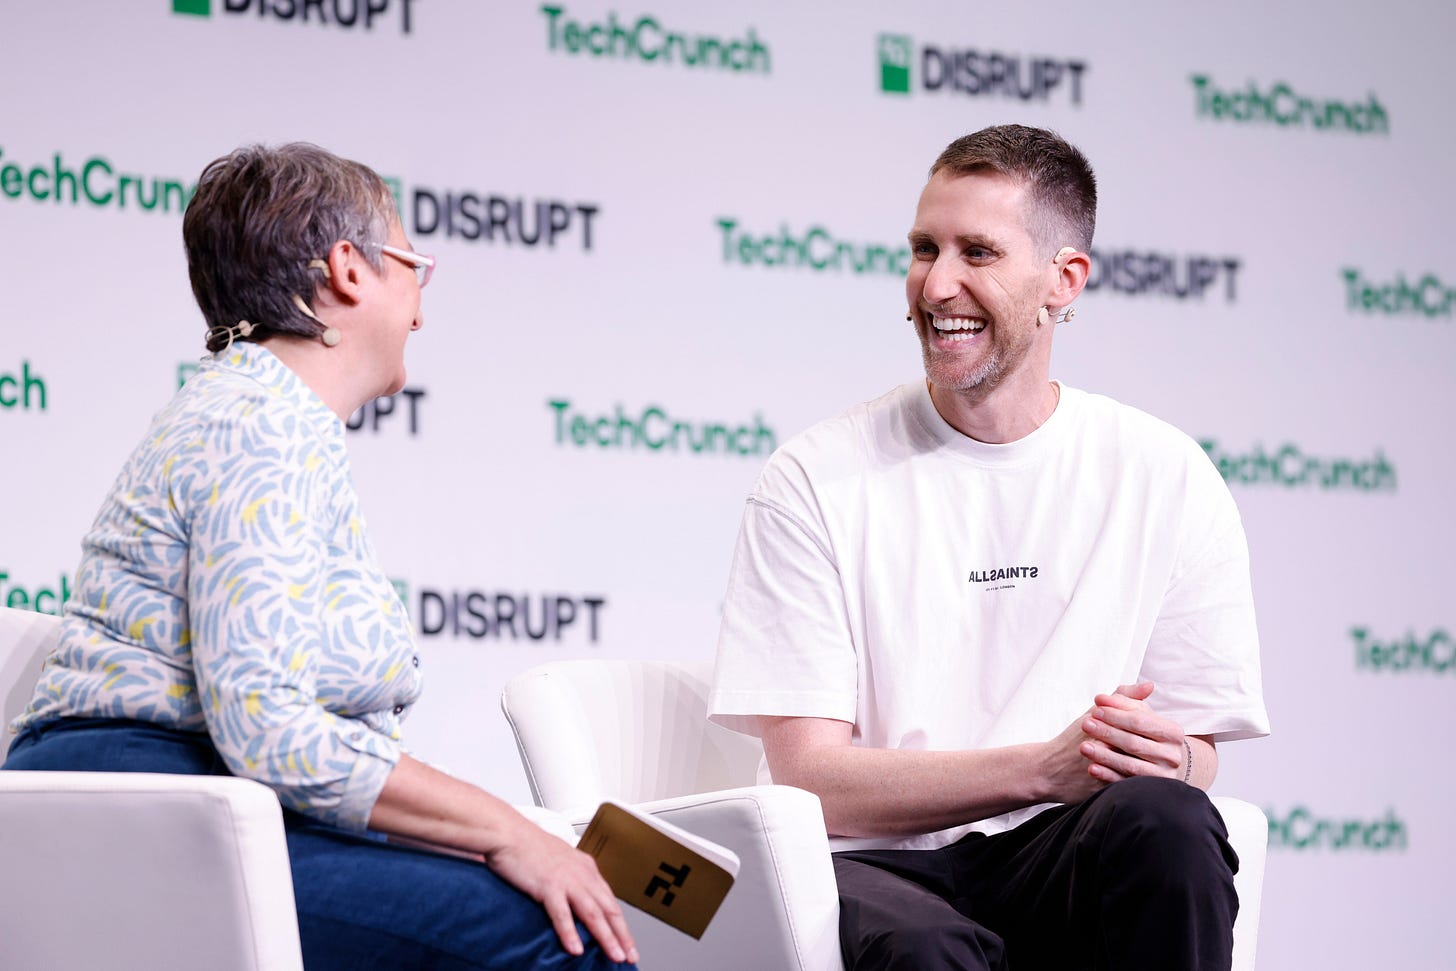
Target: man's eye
922,249
978,253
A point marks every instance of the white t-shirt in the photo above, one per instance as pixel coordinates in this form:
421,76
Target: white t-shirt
943,594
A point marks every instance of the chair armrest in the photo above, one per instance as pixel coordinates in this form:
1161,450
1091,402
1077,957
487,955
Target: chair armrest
144,870
1249,833
785,900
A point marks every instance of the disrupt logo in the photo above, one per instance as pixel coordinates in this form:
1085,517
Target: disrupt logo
817,248
43,600
1138,273
481,614
1302,830
646,40
25,390
509,220
1429,297
654,429
1290,467
1434,653
1280,105
95,182
976,72
384,408
330,13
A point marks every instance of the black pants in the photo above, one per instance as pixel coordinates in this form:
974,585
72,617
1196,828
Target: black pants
1139,877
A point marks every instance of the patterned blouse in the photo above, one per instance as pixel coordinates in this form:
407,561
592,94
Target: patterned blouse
228,585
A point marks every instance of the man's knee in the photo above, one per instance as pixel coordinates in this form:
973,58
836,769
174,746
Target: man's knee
938,942
887,921
1165,821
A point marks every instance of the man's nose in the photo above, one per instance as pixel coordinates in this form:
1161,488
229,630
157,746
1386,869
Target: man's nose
942,281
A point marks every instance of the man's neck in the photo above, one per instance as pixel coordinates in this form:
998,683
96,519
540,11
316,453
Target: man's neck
999,415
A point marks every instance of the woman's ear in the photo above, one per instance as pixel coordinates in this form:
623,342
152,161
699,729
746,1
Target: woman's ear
343,277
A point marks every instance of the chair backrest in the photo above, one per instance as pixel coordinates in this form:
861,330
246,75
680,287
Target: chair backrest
629,730
26,638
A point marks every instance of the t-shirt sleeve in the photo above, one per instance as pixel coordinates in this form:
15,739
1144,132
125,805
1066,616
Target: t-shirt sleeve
1203,654
257,526
784,647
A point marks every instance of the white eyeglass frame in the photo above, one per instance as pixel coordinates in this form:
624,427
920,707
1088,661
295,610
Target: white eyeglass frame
424,266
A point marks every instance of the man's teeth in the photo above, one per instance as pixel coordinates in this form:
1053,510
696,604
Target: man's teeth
958,328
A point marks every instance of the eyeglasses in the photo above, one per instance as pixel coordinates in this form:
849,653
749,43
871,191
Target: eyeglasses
424,266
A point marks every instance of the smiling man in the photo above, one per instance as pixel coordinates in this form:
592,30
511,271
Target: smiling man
998,624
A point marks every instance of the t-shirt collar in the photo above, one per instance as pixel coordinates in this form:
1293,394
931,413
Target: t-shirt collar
1028,448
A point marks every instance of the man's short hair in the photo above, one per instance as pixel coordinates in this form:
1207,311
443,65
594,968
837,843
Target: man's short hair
258,217
1061,190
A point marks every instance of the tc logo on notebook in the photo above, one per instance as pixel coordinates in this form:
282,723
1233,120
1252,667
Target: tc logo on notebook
679,877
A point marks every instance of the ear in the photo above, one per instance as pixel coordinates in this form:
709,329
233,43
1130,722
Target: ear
1072,269
345,279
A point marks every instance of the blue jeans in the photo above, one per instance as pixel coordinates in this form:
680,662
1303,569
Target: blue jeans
362,902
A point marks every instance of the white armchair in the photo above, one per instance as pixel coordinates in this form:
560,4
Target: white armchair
637,732
139,870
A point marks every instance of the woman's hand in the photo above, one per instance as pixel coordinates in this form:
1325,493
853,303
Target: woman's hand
565,881
423,804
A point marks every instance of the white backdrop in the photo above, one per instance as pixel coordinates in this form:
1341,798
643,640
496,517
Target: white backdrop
644,305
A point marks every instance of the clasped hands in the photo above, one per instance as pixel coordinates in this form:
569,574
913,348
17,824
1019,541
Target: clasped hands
1118,738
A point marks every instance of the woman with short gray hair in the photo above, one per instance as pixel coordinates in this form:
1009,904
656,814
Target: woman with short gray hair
230,615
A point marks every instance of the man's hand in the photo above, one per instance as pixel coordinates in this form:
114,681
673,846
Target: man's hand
1067,771
1125,737
565,881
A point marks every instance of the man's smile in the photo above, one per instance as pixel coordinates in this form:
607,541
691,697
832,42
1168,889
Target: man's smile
957,328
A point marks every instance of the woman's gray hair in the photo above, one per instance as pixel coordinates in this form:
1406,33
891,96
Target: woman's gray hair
257,219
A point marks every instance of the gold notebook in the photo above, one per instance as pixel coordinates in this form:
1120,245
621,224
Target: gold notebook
659,868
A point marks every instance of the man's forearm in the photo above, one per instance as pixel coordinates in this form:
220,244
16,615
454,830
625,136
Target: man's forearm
901,792
1204,762
897,792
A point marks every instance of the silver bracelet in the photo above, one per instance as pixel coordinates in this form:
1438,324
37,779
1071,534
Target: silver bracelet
1188,768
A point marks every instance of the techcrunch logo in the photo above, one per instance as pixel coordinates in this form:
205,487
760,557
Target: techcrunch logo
1428,297
95,182
646,40
510,220
1301,830
330,13
25,390
1138,273
1288,466
1434,653
1280,105
654,429
43,600
976,72
816,248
